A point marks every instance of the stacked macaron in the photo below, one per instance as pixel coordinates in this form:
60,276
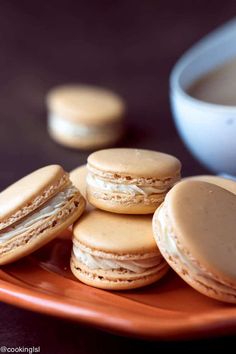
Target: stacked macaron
130,181
114,251
114,248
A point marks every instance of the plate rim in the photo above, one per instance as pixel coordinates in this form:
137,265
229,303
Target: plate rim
222,321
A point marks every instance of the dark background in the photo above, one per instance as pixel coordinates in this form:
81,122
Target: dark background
128,46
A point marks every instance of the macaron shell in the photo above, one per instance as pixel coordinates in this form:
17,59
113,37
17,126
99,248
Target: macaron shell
225,183
23,245
203,218
113,280
78,178
86,104
123,206
87,142
114,233
135,162
43,183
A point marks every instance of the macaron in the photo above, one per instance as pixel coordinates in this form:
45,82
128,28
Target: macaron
195,231
36,209
130,181
85,117
116,252
78,178
226,183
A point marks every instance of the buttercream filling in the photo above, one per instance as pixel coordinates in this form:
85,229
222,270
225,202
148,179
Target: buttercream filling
50,208
135,266
132,189
65,127
168,241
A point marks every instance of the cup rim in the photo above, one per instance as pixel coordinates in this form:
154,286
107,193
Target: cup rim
184,61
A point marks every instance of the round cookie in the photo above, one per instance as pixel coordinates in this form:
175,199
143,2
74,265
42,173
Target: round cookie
195,231
85,117
130,181
36,209
116,252
225,183
78,178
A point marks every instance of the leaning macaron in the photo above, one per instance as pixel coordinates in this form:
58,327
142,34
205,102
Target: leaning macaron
225,183
116,252
85,117
35,209
130,181
195,231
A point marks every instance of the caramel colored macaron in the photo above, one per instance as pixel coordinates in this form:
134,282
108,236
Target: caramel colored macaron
78,178
35,209
130,181
195,231
116,252
225,183
85,117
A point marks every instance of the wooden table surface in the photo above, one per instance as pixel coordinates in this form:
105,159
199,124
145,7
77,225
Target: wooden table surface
128,46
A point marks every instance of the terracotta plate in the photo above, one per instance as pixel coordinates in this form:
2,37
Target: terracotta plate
169,309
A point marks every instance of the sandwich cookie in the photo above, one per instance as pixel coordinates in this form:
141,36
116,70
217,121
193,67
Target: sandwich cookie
130,181
85,117
78,178
195,231
36,209
225,183
116,252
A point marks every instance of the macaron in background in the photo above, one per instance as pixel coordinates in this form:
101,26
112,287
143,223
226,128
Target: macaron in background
36,209
116,252
130,181
225,183
195,231
85,117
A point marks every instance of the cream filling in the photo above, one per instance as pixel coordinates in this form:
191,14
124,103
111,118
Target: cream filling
132,189
50,208
62,126
135,266
170,244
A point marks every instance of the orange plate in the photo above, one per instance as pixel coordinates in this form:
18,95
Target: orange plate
168,309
